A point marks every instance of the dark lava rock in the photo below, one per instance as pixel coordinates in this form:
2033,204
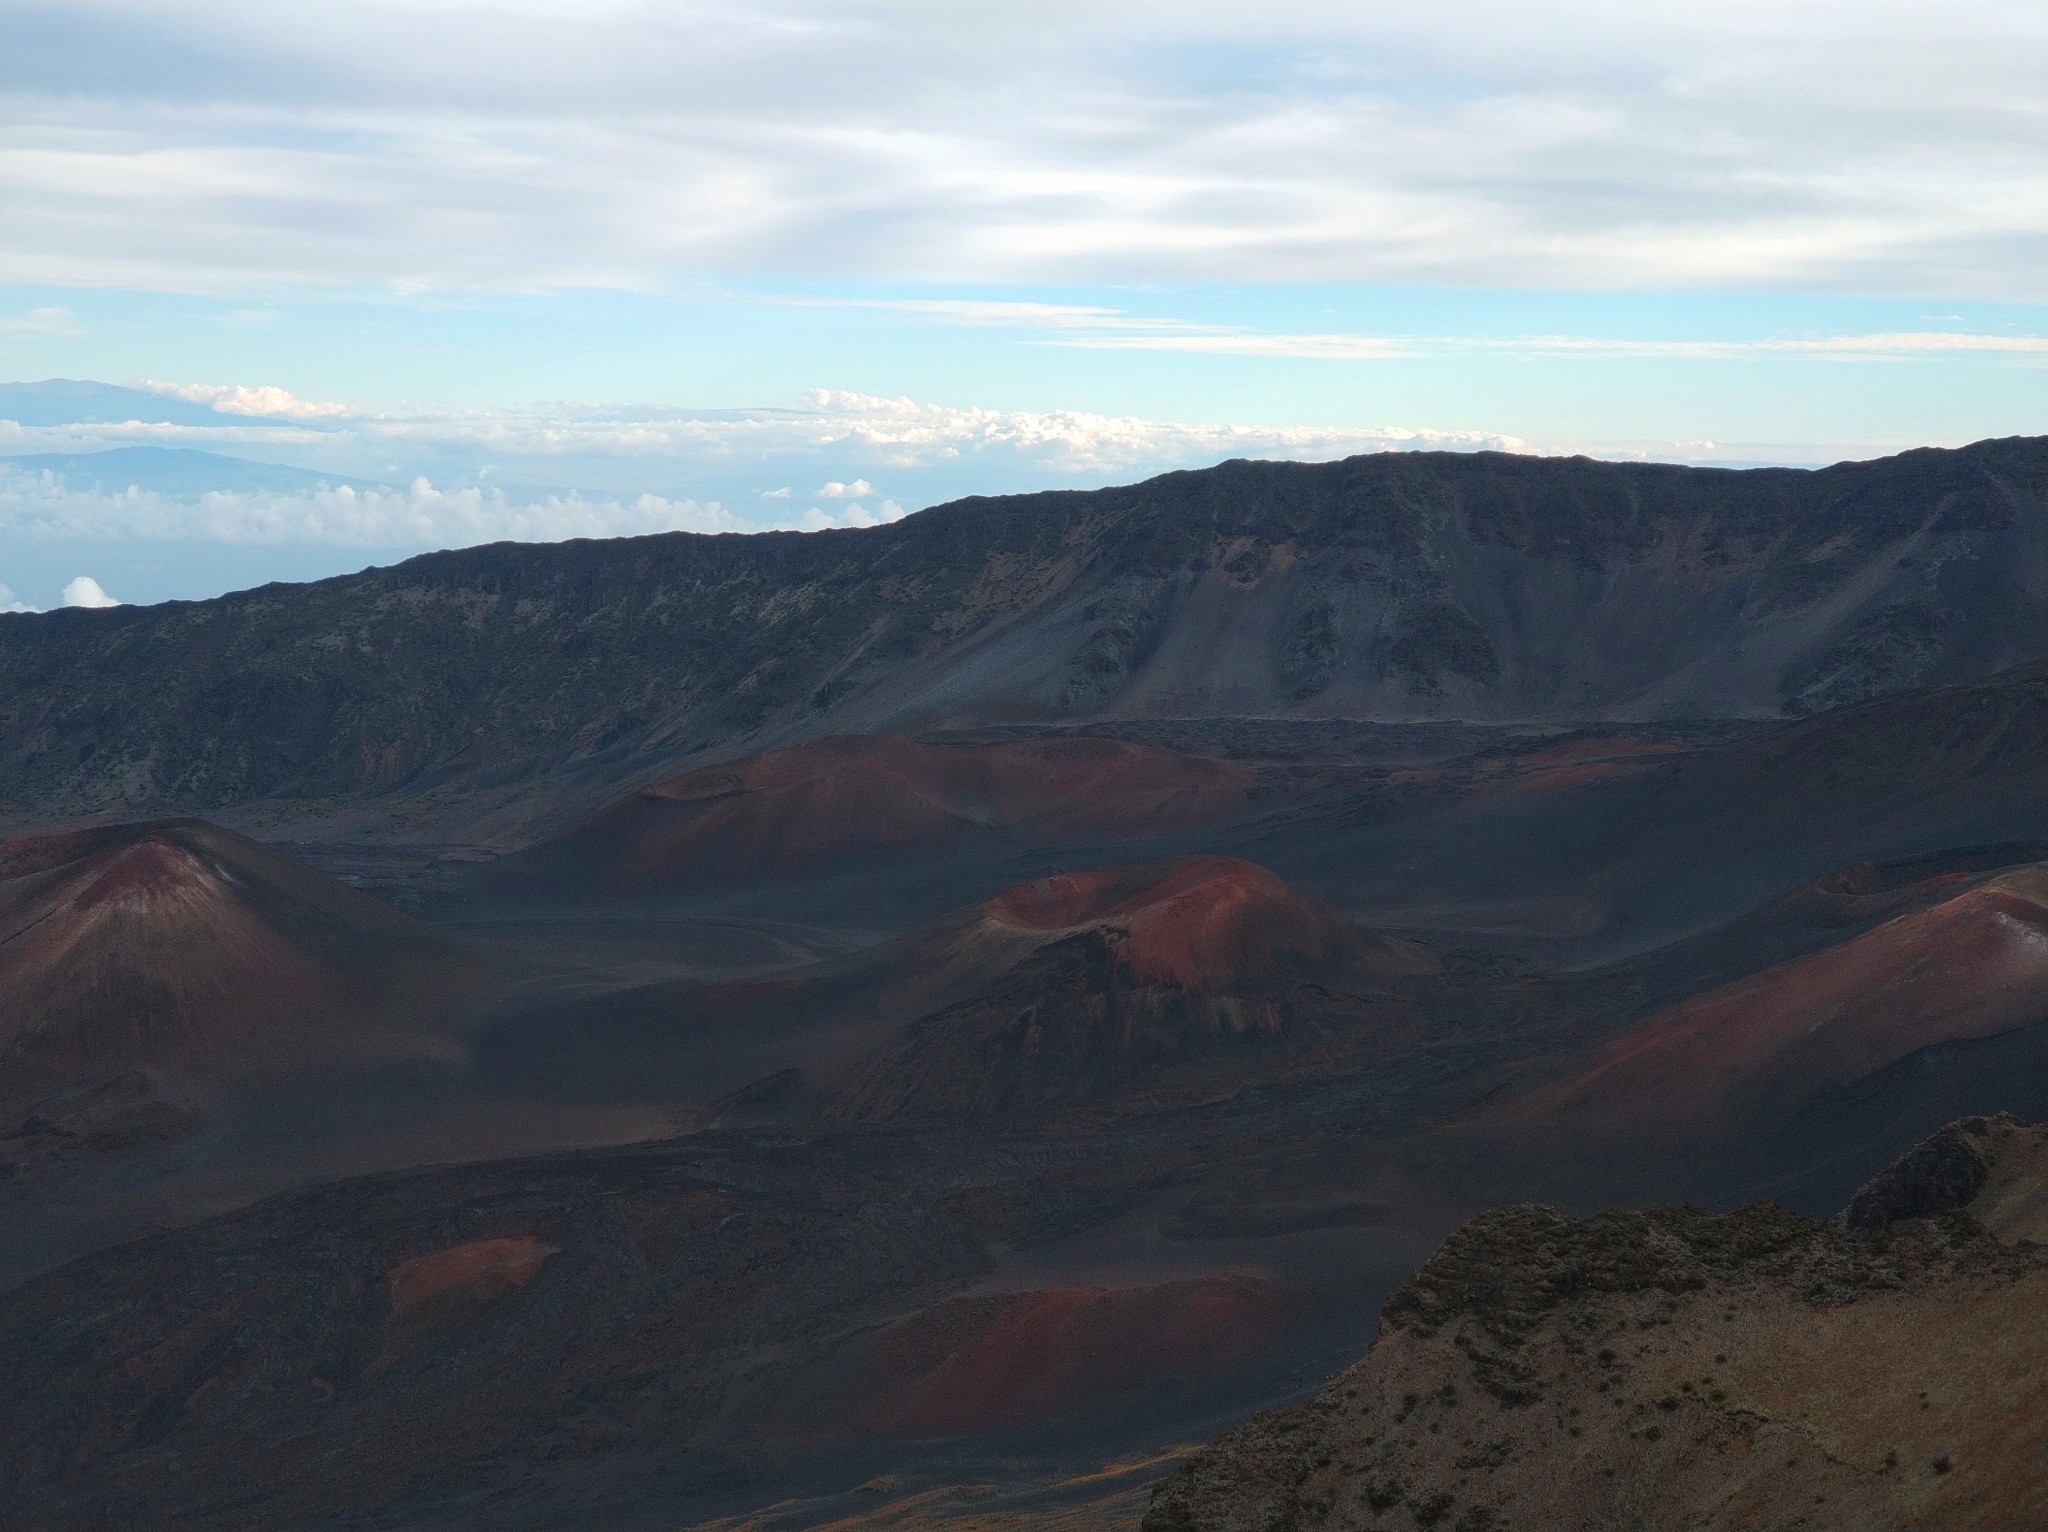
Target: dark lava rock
1937,1175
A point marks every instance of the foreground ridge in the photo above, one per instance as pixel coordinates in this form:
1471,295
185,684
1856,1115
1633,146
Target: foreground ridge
1685,1367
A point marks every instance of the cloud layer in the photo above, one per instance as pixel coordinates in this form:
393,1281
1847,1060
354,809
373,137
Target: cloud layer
223,145
880,452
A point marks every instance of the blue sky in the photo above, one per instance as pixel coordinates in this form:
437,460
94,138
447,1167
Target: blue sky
612,267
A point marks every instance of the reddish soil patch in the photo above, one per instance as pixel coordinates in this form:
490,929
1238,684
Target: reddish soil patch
1200,887
1583,761
152,868
848,798
1596,750
1203,922
1000,1361
451,1286
1550,779
1972,966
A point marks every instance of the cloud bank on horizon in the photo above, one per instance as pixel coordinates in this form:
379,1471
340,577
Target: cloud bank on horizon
86,479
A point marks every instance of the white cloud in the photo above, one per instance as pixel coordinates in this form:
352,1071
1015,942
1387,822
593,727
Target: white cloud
211,145
775,494
834,490
85,591
238,399
855,515
9,602
904,433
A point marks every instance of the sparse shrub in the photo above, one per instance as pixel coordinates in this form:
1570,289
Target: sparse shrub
1606,1356
1380,1494
1652,1433
1668,1403
1943,1463
1433,1510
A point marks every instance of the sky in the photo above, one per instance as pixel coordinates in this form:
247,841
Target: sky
503,268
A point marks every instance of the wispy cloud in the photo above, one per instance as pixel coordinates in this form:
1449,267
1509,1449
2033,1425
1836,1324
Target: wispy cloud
1334,348
984,311
211,145
1101,328
50,319
1828,347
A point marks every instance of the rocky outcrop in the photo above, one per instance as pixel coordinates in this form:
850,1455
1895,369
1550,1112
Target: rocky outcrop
1682,1367
1938,1175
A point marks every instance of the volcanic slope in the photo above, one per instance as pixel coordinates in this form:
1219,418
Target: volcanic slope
1134,974
1681,1367
199,959
846,801
647,1335
1644,847
1057,991
1392,586
1808,1059
992,1362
